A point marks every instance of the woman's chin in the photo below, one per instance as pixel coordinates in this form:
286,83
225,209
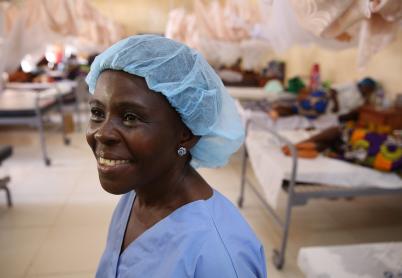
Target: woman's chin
115,188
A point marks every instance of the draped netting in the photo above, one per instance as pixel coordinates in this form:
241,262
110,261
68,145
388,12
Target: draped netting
220,31
29,26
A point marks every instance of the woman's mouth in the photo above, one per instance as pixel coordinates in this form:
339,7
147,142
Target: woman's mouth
107,165
111,162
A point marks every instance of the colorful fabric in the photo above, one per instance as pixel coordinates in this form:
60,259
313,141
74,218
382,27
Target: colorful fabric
314,105
380,151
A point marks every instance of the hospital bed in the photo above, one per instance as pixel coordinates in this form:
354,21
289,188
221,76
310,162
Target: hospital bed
302,179
254,102
5,152
257,93
370,260
20,105
66,88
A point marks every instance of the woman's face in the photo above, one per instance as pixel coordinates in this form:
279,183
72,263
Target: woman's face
133,132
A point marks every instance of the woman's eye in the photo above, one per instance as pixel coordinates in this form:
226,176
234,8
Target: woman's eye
97,115
129,118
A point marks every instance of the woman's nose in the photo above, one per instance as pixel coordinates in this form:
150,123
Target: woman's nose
106,134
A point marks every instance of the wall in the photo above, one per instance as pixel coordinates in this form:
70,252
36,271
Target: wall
340,66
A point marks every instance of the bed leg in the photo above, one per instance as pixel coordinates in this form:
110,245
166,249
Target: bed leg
43,143
3,185
279,255
240,201
66,140
39,124
243,177
77,109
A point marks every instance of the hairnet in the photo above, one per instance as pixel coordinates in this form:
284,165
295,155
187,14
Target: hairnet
190,85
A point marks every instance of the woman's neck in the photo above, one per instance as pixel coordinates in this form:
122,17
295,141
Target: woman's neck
174,189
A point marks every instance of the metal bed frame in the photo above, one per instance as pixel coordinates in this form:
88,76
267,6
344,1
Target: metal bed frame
36,119
5,152
298,194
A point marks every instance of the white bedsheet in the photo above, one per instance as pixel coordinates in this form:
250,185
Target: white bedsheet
287,123
271,166
64,86
352,261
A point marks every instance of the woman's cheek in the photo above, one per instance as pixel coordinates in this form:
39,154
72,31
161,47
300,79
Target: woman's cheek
90,136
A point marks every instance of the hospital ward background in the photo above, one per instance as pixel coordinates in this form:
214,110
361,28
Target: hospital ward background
318,86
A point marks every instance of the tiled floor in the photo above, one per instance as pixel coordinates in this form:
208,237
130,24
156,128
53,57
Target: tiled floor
58,224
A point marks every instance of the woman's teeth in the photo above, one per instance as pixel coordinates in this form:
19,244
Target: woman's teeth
110,162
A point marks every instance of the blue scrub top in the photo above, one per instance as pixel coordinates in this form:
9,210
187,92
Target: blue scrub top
205,238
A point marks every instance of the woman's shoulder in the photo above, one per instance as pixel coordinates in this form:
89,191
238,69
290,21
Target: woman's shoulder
227,218
232,242
214,220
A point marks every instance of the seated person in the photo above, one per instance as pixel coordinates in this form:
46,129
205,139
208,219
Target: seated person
351,97
72,67
345,100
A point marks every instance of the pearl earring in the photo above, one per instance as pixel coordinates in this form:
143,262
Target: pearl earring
182,151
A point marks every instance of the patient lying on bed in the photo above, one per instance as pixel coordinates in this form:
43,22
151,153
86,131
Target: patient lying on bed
378,150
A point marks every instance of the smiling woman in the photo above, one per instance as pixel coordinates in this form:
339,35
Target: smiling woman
158,110
134,135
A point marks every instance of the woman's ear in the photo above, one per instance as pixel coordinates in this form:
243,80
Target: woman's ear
188,139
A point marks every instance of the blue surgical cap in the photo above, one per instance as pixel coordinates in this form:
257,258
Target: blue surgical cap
190,85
